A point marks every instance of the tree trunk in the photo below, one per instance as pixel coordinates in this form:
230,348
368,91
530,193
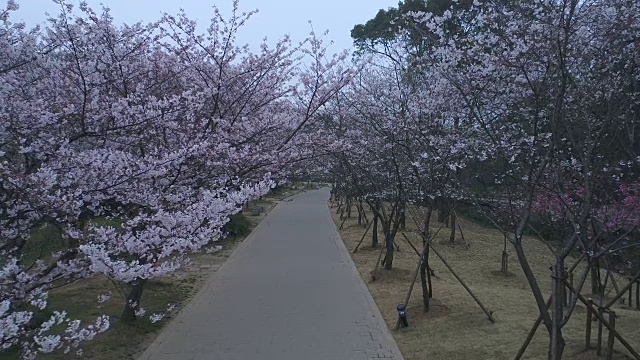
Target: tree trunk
504,261
388,258
133,301
424,280
556,346
595,277
349,209
427,223
374,239
443,212
533,284
452,223
364,214
559,348
426,290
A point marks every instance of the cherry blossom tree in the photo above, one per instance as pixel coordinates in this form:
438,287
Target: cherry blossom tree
160,131
526,110
538,81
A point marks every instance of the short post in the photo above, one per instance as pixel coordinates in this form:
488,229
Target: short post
638,295
612,323
402,315
588,331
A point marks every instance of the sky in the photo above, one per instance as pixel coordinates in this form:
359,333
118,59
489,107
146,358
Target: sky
275,17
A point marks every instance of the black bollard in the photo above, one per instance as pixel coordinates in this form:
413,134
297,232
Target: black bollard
402,315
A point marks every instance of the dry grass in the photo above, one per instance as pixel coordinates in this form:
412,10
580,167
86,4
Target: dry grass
456,327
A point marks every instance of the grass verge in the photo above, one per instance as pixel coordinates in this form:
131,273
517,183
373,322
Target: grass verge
456,327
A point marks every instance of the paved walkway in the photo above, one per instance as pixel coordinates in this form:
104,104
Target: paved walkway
289,292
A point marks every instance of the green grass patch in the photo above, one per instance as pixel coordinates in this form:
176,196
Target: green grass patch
278,191
44,241
47,240
122,340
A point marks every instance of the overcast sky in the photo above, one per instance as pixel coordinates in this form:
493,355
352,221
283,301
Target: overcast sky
276,17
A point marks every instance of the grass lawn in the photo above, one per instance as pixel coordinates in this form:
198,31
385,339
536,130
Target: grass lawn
456,327
128,341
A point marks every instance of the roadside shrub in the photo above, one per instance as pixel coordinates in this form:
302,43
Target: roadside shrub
238,225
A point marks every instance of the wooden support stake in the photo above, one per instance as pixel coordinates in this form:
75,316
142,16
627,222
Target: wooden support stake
378,262
622,291
599,344
532,332
571,278
565,294
612,321
614,282
429,274
341,225
415,276
462,235
575,265
587,342
362,239
489,313
410,243
408,297
624,342
364,213
504,263
567,291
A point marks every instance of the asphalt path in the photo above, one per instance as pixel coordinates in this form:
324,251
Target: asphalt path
289,292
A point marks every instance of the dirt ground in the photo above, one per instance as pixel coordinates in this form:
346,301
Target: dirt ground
456,327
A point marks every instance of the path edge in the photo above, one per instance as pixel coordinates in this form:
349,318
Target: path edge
397,354
168,329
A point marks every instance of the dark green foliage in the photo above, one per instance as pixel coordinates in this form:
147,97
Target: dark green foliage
395,24
278,190
376,30
471,213
44,241
238,225
47,240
